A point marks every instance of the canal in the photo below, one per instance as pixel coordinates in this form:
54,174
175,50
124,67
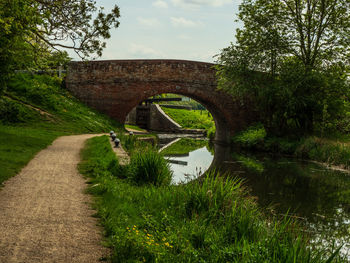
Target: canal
317,196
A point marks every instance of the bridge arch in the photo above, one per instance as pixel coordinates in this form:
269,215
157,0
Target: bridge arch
115,87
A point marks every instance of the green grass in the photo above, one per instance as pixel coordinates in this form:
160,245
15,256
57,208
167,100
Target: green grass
191,119
184,146
208,220
34,111
134,127
149,167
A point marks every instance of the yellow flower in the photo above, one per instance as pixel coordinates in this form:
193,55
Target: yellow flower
157,244
127,228
164,239
135,226
149,243
149,235
167,244
137,231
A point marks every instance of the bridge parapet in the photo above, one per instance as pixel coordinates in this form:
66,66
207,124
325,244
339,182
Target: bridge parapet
143,70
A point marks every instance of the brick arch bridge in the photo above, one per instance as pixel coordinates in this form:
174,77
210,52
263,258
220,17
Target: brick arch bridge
115,87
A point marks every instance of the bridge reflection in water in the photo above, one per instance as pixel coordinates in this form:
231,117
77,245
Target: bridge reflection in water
319,197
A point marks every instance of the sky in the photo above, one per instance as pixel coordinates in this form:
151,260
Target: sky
171,29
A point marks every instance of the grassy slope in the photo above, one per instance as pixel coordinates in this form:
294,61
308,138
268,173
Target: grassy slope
208,221
34,111
190,119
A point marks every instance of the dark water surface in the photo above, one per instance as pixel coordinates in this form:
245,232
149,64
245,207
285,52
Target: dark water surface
318,196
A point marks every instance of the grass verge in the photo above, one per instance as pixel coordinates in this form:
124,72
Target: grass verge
211,220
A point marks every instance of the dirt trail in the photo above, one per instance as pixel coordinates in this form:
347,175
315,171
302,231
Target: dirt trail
44,214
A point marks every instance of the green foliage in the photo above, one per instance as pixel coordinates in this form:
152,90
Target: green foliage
207,220
296,83
183,146
330,151
32,31
148,167
324,151
14,112
191,119
251,137
211,133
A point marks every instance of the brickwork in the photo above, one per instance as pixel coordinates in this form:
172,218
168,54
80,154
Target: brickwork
115,87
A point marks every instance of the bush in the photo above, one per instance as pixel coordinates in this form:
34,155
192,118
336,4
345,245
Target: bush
149,167
211,133
251,137
12,112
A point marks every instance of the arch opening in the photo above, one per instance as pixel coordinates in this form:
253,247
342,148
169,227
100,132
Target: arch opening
222,133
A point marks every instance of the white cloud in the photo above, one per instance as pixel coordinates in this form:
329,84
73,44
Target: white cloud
148,21
183,22
197,3
184,37
138,50
160,4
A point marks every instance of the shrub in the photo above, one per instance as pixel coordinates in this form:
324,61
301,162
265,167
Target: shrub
211,132
251,137
149,167
12,112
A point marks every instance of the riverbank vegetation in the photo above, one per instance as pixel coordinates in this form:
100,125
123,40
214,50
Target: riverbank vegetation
289,65
331,151
210,220
33,112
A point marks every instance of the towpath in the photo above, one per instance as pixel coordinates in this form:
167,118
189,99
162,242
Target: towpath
45,215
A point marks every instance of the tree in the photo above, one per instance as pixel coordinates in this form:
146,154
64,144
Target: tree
283,57
41,26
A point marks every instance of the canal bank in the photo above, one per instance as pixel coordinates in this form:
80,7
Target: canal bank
315,194
213,219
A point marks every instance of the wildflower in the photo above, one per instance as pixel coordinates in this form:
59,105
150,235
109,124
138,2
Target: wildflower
149,235
167,244
164,239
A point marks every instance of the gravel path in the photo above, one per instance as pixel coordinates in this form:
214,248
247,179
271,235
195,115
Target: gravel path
44,214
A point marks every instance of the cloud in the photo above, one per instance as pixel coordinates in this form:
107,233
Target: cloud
148,21
197,3
183,22
184,37
138,50
160,4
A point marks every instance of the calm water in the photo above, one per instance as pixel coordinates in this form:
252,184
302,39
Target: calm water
318,196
